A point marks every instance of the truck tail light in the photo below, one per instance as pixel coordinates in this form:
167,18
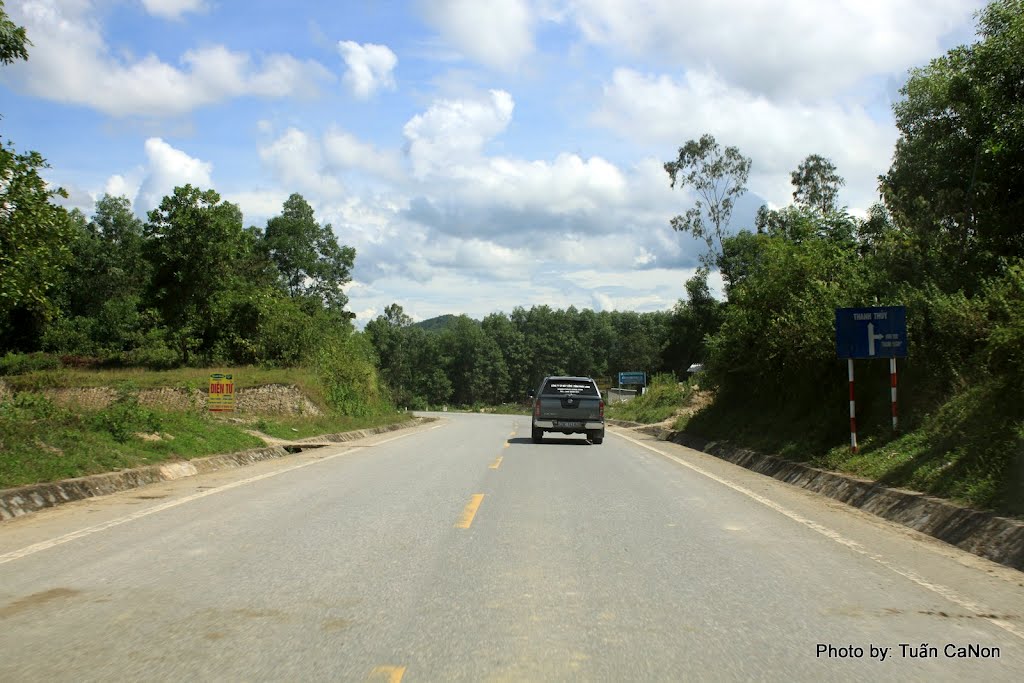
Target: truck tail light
601,406
536,408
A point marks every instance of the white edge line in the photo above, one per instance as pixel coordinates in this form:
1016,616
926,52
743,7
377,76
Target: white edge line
88,531
943,591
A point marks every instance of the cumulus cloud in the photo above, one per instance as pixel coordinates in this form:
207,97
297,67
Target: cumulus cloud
776,134
72,63
173,9
370,67
343,150
296,160
454,131
497,33
167,168
784,47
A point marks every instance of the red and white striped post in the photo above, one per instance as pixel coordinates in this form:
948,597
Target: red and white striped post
853,410
892,385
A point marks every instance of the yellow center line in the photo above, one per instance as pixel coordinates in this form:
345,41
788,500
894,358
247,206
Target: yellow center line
470,511
496,464
507,444
512,434
391,674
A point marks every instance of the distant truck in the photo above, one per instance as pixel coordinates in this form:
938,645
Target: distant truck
570,405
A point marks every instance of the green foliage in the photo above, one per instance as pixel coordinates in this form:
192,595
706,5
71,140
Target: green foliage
124,417
954,184
777,333
13,41
192,239
308,256
34,233
23,363
661,399
692,322
345,369
718,177
816,184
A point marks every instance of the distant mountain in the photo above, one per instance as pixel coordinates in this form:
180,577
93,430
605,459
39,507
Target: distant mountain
436,324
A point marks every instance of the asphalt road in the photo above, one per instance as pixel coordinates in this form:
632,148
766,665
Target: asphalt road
462,551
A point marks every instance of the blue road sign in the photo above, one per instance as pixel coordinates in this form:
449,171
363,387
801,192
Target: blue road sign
632,378
877,332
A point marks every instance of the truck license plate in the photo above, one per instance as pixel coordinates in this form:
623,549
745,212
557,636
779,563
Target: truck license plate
563,423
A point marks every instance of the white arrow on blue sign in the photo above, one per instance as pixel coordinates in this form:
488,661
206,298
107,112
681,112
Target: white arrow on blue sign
876,332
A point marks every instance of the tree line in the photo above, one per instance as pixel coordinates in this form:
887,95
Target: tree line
496,360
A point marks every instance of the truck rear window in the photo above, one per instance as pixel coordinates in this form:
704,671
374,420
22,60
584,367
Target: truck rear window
568,387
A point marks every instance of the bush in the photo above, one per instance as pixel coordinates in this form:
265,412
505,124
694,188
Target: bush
26,406
24,363
659,401
124,417
345,369
155,353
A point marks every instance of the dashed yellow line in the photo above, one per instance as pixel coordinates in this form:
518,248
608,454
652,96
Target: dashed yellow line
496,464
507,444
391,674
470,511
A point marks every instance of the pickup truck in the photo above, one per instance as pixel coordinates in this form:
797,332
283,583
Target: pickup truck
570,405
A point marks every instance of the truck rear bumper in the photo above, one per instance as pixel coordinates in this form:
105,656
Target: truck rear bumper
550,424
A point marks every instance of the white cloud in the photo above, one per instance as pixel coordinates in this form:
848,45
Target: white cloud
370,67
297,161
119,185
166,169
497,33
454,131
788,46
71,63
343,150
257,205
776,134
173,9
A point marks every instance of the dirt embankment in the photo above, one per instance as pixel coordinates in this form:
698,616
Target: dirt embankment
273,399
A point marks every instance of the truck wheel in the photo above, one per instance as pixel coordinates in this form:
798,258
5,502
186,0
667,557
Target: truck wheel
537,435
598,441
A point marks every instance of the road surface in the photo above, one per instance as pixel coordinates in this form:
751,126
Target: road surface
461,551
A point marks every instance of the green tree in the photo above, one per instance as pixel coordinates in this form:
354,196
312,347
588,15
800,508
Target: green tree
192,240
954,183
718,177
512,345
13,41
691,323
34,234
817,182
308,255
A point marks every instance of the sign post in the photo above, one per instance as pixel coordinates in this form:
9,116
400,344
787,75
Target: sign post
222,393
876,332
853,408
633,378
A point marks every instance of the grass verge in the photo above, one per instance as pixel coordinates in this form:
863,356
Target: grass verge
41,442
662,399
970,450
285,427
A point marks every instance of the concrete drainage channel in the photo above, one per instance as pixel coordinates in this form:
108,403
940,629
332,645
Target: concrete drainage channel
999,539
26,499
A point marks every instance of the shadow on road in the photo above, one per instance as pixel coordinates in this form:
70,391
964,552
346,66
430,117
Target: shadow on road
567,441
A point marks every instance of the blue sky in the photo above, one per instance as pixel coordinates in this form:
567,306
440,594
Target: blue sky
479,155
